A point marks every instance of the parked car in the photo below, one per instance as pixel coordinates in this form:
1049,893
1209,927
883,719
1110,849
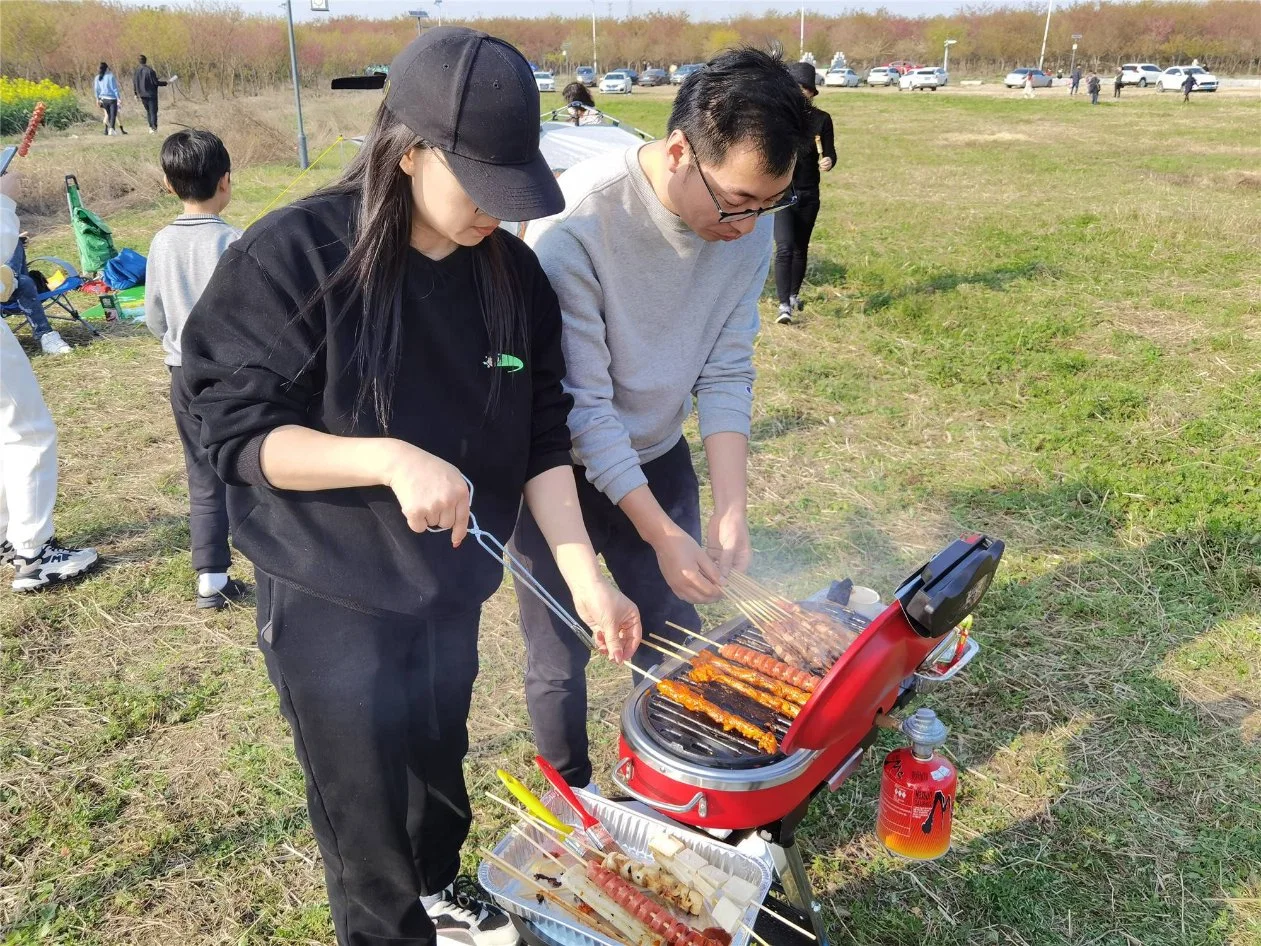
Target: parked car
1141,74
683,72
616,82
922,79
1016,78
943,75
843,77
634,76
654,77
545,81
585,75
1172,78
883,75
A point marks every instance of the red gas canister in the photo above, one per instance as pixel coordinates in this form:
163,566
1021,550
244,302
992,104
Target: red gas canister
917,792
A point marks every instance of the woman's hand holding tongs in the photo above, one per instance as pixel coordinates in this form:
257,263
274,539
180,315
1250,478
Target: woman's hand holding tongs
432,493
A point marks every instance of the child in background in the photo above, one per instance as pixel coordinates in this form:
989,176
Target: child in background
182,258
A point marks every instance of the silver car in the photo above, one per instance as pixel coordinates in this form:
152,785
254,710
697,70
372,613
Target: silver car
1016,78
883,75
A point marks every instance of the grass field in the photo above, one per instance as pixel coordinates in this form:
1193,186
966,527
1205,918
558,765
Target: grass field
1037,319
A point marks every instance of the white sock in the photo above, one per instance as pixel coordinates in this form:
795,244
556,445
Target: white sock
28,553
210,583
594,789
431,901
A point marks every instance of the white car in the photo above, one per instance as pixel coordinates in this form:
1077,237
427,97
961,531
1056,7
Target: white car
1016,78
883,75
545,81
920,79
614,82
1141,74
1172,78
842,77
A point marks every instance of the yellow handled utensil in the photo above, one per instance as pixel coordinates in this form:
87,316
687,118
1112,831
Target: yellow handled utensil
532,803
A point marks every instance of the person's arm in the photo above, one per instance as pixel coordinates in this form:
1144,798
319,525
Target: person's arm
135,82
827,141
724,400
154,312
601,442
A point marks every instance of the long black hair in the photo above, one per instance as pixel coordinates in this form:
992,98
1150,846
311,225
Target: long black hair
104,69
374,270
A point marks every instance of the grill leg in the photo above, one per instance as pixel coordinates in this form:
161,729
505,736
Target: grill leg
797,885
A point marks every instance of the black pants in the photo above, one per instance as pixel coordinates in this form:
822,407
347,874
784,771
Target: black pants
207,496
792,242
1116,91
556,661
151,109
110,109
379,711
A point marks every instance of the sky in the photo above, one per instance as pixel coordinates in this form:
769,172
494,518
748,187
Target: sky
697,9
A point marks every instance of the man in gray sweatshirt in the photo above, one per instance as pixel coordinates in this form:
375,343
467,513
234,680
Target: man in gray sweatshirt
659,260
182,258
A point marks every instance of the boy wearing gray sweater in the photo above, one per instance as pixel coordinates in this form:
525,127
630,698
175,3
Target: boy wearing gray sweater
182,258
658,261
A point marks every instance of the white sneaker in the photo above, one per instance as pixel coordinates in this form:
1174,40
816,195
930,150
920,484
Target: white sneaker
53,564
153,131
462,918
53,344
785,316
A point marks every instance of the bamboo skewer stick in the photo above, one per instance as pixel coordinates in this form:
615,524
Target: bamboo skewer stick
659,649
680,627
666,640
524,815
552,896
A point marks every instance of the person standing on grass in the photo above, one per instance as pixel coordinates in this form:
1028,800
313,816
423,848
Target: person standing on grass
659,261
794,226
1118,84
354,357
105,87
1075,80
1188,86
28,449
196,168
1029,85
145,83
1093,85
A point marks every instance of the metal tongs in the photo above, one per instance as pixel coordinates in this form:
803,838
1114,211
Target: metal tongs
518,571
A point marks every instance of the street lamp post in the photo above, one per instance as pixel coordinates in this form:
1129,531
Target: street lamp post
438,4
595,62
297,94
1045,33
803,30
1072,62
945,65
418,15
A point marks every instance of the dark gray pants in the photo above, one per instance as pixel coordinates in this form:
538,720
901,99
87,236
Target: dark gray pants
556,661
151,109
207,496
379,711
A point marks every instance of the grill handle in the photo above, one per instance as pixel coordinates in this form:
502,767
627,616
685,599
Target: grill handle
622,781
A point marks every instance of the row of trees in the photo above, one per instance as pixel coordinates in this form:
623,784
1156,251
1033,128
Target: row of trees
217,49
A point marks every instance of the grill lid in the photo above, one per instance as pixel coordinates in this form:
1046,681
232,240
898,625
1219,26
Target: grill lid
865,681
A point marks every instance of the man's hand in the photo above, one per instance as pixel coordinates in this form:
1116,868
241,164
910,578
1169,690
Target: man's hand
728,542
688,569
825,164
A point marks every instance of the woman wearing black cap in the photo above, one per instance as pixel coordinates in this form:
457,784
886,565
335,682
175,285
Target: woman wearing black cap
355,355
794,226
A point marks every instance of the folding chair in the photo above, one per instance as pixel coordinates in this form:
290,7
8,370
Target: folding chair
54,301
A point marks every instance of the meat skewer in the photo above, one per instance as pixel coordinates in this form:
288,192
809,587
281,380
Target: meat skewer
704,671
779,688
689,699
758,661
593,919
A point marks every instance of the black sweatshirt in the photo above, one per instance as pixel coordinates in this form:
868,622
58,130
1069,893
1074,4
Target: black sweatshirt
252,364
806,174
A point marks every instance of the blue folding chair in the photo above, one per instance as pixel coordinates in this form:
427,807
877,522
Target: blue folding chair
54,301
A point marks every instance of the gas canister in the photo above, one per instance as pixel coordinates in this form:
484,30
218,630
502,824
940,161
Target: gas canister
917,792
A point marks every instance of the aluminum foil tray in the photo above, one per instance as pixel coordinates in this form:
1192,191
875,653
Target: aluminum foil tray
632,831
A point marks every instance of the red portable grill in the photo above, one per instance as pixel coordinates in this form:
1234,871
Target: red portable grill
687,767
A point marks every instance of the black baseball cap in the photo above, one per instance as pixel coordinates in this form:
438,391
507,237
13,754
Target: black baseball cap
474,98
805,75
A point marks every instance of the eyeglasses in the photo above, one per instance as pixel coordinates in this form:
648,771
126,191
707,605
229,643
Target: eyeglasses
728,216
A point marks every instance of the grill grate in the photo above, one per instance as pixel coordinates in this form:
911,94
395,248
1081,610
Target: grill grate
701,740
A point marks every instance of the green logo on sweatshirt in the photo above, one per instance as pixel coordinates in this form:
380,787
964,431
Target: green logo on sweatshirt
512,363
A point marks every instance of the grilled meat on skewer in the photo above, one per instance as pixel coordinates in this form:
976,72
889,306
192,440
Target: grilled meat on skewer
779,688
764,663
690,700
706,671
657,880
